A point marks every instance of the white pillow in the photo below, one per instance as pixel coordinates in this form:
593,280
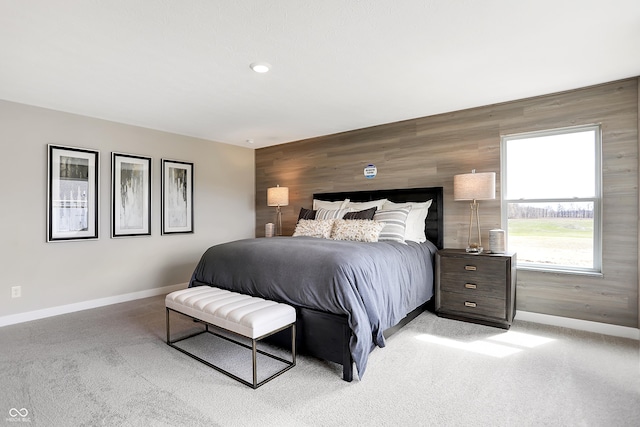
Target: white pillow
322,204
415,221
359,230
394,223
314,228
360,206
331,213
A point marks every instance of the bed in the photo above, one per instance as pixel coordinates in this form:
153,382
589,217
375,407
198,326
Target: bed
349,296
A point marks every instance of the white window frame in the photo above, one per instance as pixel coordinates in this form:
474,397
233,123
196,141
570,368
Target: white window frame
596,200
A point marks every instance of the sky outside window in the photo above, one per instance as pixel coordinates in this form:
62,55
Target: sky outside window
561,166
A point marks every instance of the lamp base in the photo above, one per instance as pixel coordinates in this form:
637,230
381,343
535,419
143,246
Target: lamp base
474,247
278,222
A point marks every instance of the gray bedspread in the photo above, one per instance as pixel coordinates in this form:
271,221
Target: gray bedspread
375,284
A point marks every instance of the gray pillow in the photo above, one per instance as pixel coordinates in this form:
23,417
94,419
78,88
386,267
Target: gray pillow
395,221
306,214
364,214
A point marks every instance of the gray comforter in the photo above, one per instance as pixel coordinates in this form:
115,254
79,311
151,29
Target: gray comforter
374,284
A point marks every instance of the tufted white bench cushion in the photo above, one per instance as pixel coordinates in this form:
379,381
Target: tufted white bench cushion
244,315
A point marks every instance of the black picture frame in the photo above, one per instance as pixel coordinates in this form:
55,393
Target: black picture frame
177,197
73,184
130,195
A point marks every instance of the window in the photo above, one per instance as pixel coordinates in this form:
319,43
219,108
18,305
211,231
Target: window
551,190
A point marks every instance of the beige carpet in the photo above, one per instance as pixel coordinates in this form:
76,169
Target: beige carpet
110,366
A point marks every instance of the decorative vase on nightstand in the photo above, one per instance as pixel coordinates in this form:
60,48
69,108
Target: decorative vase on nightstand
268,229
496,241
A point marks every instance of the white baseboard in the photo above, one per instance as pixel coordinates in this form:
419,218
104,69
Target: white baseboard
583,325
85,305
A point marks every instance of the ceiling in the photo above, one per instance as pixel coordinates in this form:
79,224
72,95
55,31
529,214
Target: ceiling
337,65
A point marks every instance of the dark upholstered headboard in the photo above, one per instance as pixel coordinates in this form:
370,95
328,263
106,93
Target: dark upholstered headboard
434,224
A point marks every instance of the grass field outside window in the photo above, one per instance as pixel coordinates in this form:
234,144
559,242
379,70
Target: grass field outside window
552,241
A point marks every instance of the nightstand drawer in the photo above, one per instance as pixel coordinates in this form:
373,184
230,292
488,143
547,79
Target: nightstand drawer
472,288
477,306
474,267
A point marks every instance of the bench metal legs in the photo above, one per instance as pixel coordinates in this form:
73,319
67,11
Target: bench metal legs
253,347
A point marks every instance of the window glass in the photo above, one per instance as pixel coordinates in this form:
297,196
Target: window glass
552,166
551,198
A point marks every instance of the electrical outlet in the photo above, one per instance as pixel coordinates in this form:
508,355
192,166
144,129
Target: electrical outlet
16,291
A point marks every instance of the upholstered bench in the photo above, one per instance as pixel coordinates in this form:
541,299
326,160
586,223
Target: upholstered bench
243,315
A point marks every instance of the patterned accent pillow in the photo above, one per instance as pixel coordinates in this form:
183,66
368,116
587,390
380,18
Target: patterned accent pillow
359,230
395,221
314,228
331,213
306,214
415,220
365,214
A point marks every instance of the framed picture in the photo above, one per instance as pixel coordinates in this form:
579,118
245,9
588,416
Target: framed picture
72,193
130,195
177,197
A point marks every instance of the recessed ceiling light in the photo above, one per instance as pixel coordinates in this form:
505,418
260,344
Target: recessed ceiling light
260,67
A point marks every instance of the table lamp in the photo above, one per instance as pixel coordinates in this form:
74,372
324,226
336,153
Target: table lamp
278,196
474,186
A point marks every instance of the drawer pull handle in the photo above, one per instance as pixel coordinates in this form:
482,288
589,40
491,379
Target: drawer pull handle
469,304
470,267
470,286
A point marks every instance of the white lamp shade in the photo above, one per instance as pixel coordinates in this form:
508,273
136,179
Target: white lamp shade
278,196
474,186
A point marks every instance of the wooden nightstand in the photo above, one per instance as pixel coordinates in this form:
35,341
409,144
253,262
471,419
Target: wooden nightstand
476,288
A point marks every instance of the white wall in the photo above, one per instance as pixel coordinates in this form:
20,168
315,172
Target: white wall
57,274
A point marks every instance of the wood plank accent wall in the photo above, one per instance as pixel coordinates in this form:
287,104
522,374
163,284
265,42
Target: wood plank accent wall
429,151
